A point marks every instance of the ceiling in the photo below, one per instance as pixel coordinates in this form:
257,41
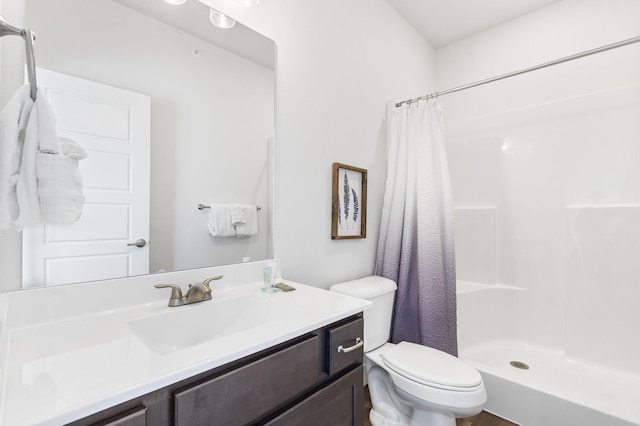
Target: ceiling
193,18
443,22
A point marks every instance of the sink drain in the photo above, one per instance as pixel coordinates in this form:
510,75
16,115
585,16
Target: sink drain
519,364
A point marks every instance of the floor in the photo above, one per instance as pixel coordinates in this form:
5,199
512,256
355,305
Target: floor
482,419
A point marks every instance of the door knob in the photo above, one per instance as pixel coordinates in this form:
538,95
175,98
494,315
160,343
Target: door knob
139,243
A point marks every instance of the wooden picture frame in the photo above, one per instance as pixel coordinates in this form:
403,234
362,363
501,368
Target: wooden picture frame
348,202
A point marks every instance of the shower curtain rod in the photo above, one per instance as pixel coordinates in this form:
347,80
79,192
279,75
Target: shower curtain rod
525,70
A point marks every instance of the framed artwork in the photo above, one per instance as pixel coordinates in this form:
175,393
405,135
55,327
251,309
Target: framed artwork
349,202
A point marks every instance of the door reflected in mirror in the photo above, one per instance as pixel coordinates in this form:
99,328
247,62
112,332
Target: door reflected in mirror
211,114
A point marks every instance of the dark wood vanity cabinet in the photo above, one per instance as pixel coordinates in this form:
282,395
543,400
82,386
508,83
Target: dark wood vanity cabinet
305,381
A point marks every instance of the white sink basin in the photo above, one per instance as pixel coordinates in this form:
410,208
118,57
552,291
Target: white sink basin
191,325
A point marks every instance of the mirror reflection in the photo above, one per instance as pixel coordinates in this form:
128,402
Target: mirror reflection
210,100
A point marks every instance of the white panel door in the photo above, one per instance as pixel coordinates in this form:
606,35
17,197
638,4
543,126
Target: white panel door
113,126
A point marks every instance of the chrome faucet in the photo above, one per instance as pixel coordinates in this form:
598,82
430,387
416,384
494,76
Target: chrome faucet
198,292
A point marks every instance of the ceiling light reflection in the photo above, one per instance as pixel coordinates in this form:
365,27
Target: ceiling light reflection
220,20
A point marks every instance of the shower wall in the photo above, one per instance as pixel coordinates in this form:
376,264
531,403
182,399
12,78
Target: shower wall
545,169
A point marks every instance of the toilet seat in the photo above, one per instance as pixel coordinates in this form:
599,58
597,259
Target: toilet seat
431,367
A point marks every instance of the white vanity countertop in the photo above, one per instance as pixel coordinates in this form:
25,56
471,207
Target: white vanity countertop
54,372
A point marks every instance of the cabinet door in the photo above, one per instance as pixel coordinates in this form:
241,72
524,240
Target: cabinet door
338,404
252,391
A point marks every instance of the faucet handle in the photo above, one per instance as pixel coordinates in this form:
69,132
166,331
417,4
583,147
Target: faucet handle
176,293
206,282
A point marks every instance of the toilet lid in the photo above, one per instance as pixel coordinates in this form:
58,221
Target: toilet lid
431,367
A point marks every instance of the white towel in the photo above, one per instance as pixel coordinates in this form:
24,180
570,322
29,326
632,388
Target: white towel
220,221
49,187
27,185
60,183
238,214
13,121
250,225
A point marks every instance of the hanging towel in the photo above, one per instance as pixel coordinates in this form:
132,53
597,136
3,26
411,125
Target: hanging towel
238,214
13,121
220,221
60,183
27,184
49,187
250,225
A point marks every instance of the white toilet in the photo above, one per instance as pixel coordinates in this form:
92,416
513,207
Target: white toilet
410,384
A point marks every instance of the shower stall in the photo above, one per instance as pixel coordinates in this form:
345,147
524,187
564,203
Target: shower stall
545,171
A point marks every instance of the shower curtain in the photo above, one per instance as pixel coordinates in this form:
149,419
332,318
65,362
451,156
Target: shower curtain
416,245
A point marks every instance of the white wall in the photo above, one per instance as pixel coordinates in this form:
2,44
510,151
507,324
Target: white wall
562,29
556,153
338,63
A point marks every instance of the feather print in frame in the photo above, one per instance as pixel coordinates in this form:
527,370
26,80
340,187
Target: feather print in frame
355,205
345,198
349,202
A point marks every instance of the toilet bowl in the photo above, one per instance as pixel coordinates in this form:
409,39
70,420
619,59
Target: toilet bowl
434,384
410,384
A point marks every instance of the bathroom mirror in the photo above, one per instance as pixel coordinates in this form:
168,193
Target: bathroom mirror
211,95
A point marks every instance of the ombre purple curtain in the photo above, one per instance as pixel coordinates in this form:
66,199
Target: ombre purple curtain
416,246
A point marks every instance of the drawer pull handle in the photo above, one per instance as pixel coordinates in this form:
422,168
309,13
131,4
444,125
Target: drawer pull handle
343,350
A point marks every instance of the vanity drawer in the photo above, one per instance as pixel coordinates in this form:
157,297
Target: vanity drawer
344,345
338,404
134,417
137,418
251,391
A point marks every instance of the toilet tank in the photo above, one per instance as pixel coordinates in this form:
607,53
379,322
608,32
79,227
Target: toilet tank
377,319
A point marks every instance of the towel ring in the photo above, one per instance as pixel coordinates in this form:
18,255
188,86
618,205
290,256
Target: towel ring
29,37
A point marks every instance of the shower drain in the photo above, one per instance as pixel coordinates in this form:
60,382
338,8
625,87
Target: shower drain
519,364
